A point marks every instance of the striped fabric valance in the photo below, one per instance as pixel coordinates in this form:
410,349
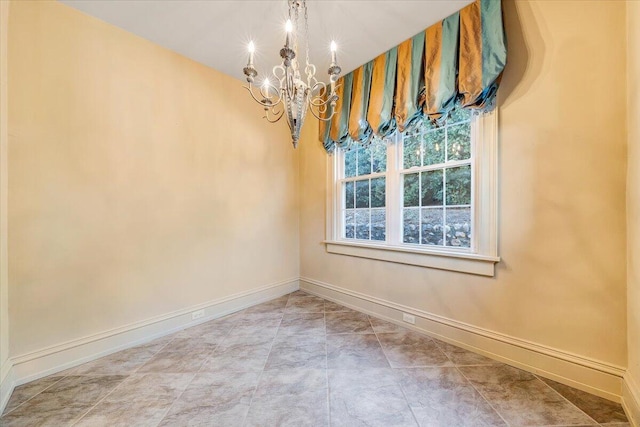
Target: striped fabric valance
458,61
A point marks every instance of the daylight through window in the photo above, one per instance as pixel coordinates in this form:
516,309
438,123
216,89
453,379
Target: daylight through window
425,197
412,189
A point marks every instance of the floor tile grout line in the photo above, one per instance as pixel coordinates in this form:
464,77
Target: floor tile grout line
135,372
435,342
244,419
79,375
379,342
485,398
195,374
326,364
415,418
71,374
76,420
413,414
178,397
454,365
397,377
564,398
37,394
408,367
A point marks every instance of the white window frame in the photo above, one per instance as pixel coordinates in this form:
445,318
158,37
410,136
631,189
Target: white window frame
480,259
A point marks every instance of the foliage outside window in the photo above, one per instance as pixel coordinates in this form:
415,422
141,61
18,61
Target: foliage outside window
436,174
364,189
425,194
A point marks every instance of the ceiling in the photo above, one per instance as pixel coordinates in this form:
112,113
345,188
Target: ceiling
216,32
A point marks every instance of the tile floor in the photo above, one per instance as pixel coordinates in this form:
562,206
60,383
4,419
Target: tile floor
300,360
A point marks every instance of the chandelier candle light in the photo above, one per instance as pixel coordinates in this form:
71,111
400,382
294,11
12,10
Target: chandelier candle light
293,96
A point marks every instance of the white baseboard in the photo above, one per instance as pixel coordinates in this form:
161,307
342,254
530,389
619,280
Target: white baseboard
590,375
631,399
47,361
6,384
593,376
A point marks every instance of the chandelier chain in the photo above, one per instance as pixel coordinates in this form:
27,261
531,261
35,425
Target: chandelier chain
306,30
295,26
296,90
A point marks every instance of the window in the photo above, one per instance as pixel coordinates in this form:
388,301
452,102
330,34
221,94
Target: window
425,197
436,175
364,189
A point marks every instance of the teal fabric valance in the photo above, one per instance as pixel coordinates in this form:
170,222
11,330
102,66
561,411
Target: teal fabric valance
458,61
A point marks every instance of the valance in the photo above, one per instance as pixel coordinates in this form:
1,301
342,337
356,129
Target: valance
458,61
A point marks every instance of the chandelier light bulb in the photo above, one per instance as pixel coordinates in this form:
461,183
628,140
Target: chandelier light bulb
288,27
296,90
334,48
252,49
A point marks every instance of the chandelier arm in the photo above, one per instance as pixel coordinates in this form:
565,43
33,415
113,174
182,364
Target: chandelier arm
319,102
263,102
321,113
297,89
280,72
278,115
310,71
320,88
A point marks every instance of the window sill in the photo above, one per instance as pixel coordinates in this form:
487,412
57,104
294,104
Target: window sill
452,261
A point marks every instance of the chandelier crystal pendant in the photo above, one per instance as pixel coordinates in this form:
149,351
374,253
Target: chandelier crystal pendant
295,93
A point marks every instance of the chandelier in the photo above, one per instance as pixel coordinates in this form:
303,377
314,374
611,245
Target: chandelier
295,93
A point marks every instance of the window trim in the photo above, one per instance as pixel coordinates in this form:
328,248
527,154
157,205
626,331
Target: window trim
480,259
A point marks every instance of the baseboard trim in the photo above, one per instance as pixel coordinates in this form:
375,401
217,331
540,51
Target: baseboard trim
583,373
6,384
631,399
38,364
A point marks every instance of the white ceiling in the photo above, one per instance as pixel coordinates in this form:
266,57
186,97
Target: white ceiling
216,32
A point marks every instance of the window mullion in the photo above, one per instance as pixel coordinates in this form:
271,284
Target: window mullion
482,162
339,208
438,166
393,192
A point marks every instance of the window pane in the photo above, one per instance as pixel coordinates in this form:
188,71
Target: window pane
432,188
459,115
348,195
459,185
434,146
379,154
349,224
362,194
362,224
364,160
411,150
428,124
350,163
411,189
432,226
459,227
410,229
459,141
378,193
378,224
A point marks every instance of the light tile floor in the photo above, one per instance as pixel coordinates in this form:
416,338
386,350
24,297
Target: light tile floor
300,360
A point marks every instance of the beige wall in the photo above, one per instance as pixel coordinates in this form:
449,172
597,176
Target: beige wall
561,282
140,183
4,139
124,205
633,192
